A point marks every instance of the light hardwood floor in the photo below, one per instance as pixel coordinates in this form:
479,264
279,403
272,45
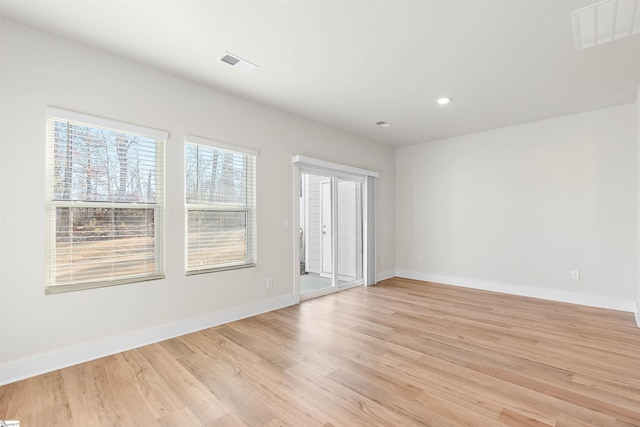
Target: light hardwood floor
400,353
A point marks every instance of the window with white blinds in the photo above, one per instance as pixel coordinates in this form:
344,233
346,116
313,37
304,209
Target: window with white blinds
105,204
220,196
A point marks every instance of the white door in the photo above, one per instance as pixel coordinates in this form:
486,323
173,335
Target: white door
326,227
347,238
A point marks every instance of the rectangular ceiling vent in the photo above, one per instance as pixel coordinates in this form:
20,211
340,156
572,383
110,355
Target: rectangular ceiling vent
237,62
383,124
605,21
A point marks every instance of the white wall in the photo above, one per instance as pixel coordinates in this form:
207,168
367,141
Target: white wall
39,332
638,207
516,209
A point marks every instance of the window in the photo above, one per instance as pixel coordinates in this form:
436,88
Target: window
105,208
220,181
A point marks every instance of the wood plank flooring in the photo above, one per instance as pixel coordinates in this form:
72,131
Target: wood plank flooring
398,354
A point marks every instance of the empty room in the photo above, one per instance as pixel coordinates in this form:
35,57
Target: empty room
320,213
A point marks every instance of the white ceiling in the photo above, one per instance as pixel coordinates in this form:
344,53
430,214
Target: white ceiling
348,64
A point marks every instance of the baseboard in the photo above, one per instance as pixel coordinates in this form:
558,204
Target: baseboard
386,274
591,300
638,314
62,358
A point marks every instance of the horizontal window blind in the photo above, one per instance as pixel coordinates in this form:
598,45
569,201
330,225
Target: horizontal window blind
105,202
220,205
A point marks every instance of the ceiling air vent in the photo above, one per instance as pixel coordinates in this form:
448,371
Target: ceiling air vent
383,124
605,21
237,62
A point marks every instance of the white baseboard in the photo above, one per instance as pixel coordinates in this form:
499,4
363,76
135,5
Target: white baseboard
591,300
638,314
386,274
39,364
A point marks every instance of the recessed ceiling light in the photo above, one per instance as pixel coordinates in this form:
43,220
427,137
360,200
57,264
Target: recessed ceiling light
237,62
443,100
383,124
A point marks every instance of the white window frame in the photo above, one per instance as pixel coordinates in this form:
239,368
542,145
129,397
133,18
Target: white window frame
250,208
52,113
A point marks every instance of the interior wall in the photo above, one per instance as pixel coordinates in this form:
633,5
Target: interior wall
518,208
40,70
638,207
3,318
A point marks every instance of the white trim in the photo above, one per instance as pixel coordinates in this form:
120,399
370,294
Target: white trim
57,359
386,274
368,231
638,314
592,300
59,113
366,261
334,230
295,231
221,145
334,168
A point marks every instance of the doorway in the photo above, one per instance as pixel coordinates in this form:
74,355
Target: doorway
331,233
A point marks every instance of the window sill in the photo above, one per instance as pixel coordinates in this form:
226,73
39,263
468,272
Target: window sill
213,270
60,289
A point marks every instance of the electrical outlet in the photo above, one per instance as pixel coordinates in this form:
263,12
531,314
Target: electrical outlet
419,259
269,283
575,275
285,222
